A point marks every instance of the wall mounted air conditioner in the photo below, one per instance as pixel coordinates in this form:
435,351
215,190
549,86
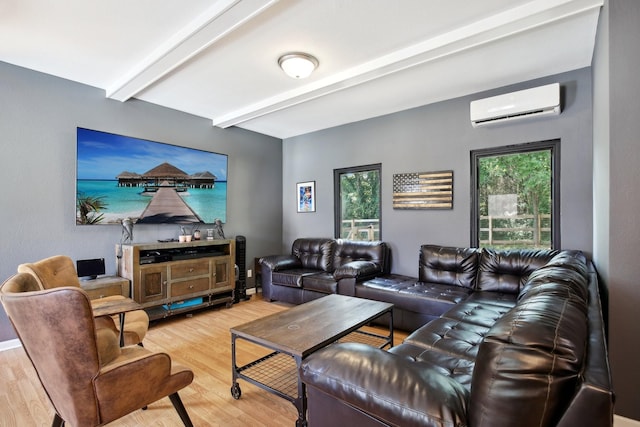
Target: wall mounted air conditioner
523,104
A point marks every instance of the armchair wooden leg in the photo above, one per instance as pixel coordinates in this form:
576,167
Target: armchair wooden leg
57,421
177,403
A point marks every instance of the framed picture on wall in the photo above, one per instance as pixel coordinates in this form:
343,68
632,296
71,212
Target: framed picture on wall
306,196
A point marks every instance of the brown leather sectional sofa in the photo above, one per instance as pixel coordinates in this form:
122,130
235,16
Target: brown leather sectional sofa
515,339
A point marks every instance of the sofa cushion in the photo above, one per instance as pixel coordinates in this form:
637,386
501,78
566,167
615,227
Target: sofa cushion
449,336
368,379
357,270
508,271
405,293
459,369
560,281
280,262
528,365
348,251
320,282
292,277
566,272
448,265
572,259
315,253
390,282
444,296
493,298
480,311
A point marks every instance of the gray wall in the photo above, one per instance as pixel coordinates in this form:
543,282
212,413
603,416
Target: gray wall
38,119
440,137
617,199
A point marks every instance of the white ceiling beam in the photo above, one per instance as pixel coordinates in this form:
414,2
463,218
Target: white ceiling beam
222,18
519,19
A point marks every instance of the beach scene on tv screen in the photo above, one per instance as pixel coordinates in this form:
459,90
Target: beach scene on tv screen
149,182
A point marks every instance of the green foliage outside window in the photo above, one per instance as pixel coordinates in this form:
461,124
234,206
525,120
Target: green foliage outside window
526,174
357,201
514,197
360,195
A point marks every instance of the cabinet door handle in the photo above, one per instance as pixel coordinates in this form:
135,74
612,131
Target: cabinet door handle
191,270
190,286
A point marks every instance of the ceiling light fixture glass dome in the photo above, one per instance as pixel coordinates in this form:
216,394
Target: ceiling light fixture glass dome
298,65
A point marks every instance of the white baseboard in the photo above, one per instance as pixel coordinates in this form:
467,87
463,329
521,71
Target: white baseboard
619,421
8,345
251,291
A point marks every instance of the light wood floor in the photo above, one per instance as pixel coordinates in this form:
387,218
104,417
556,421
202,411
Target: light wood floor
201,342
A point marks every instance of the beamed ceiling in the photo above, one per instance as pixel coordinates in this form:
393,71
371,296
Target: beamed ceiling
218,59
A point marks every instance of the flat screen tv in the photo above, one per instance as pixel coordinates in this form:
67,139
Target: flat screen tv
149,182
91,268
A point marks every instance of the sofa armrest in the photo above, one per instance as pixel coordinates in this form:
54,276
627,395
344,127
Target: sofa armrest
386,386
281,262
357,269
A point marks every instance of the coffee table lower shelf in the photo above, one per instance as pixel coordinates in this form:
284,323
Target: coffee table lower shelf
278,372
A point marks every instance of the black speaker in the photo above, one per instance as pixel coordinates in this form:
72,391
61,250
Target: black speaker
241,263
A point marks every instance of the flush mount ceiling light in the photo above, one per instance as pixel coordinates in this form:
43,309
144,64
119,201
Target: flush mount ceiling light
298,65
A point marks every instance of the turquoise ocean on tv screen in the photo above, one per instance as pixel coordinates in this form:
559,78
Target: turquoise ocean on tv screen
123,202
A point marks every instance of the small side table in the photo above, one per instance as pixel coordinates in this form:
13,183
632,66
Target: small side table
117,306
106,286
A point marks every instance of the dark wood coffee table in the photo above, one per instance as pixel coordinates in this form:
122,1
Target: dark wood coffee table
295,333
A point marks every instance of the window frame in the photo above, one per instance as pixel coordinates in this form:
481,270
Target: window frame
554,146
337,199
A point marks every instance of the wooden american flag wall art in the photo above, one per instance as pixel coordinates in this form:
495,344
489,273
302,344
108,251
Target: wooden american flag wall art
423,190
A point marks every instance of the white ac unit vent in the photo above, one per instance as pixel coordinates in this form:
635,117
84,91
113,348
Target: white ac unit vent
534,102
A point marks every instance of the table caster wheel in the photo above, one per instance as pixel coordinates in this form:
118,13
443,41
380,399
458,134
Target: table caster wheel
235,391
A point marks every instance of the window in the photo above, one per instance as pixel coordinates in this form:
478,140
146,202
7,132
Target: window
515,196
357,202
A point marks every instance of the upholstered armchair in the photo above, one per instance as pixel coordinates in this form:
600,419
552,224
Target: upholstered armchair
58,270
89,379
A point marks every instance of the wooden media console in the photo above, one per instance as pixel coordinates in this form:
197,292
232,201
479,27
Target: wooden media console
171,278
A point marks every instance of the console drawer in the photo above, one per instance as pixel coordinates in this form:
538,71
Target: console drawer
105,287
189,287
190,269
106,291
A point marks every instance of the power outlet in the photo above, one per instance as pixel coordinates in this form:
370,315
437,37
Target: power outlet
249,273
